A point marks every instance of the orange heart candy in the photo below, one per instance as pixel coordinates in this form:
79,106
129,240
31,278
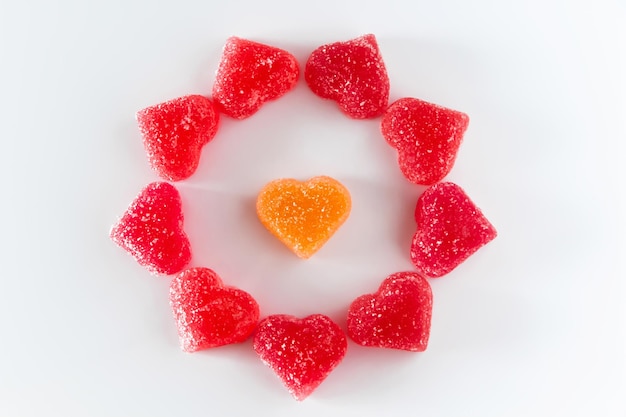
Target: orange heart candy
303,215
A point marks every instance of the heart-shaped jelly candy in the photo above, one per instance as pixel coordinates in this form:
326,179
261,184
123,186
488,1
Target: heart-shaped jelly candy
353,74
208,313
450,228
397,316
302,352
151,230
250,74
174,133
303,215
426,136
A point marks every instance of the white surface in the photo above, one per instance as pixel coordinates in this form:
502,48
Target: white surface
533,324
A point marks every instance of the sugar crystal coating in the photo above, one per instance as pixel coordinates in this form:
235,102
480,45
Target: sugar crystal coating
426,136
208,313
353,74
303,215
450,228
250,74
302,352
174,133
151,230
397,316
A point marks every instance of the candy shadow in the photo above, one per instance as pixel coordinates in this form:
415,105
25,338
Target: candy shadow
464,318
236,352
226,235
249,373
458,76
204,73
381,224
127,154
435,70
246,154
367,372
464,324
156,316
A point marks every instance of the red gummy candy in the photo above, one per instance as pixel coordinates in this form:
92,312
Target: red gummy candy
151,230
174,133
450,228
426,136
397,316
302,352
251,74
353,74
209,314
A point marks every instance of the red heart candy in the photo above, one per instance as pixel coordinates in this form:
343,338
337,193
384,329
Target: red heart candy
427,137
251,74
151,230
302,352
209,314
450,228
397,316
353,74
174,133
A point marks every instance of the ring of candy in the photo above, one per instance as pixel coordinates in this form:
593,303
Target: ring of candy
303,214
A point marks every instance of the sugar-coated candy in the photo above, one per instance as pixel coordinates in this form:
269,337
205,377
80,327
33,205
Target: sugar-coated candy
250,74
302,352
174,133
208,313
450,228
151,230
303,215
397,316
353,74
426,136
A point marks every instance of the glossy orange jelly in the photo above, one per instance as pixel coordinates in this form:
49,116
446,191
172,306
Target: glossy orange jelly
304,215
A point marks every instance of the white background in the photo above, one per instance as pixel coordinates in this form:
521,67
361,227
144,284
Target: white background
532,324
